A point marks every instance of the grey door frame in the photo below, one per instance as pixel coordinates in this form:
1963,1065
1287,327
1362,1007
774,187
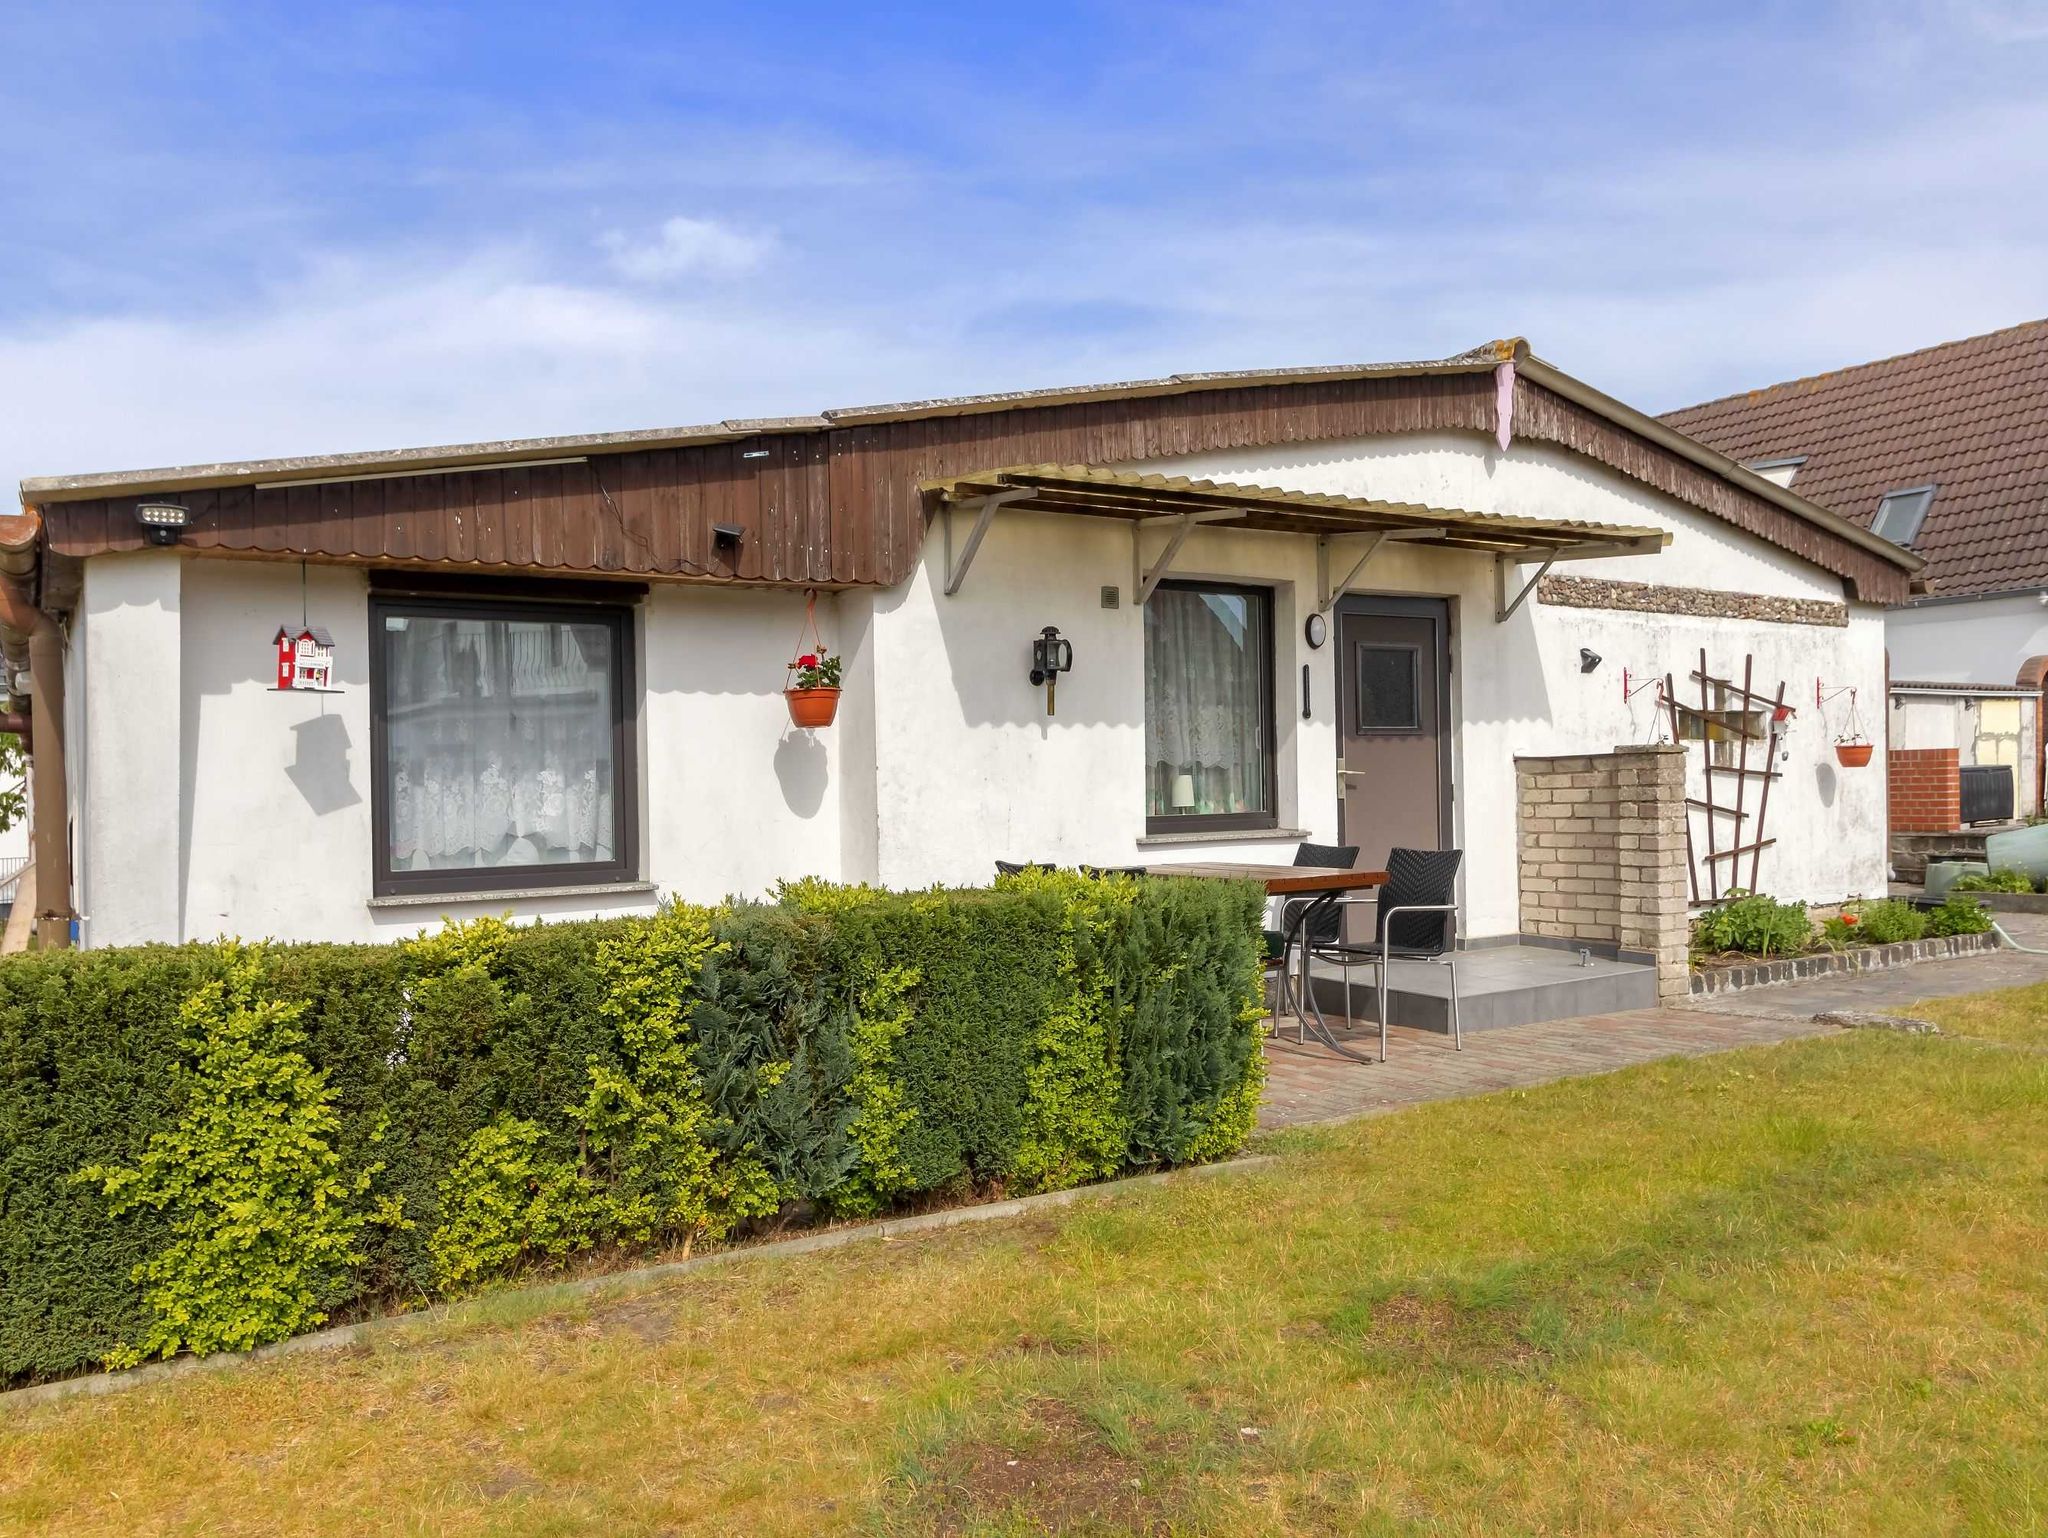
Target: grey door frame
1438,612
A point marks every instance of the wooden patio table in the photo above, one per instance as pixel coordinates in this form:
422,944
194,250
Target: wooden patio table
1323,885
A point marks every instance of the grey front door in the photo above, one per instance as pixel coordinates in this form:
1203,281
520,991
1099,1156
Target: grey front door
1393,710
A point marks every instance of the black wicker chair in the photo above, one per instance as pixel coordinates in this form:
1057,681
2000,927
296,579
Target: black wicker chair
1416,920
1017,868
1323,927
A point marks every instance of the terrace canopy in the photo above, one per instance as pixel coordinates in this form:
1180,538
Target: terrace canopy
1179,505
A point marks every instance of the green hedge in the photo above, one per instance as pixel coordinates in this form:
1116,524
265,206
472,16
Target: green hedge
206,1147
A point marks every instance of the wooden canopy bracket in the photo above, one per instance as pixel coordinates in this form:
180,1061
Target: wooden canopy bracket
1328,592
1143,578
985,514
1503,610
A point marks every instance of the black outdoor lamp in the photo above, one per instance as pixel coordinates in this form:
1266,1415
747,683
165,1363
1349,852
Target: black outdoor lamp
1588,659
1051,655
161,521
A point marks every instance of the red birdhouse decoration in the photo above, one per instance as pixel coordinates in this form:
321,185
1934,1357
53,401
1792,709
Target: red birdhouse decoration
305,658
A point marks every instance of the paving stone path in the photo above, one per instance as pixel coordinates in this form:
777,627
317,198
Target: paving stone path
1308,1083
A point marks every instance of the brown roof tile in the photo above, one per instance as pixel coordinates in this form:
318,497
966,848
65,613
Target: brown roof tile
1969,416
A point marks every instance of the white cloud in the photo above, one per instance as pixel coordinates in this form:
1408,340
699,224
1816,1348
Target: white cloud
436,348
685,248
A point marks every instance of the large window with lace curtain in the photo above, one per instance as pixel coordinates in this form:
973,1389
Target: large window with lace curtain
1208,707
501,737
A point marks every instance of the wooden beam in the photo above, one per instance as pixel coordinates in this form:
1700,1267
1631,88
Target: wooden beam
956,567
1149,579
1742,849
1503,611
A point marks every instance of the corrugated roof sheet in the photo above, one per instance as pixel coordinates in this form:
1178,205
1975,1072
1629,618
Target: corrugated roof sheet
1971,417
1135,494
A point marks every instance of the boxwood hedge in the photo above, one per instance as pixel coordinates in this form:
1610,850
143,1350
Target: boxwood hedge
191,1159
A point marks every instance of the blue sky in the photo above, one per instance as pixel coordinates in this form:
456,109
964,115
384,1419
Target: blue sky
243,229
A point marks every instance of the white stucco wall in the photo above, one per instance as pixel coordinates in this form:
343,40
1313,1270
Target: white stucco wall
218,805
126,682
1517,688
1980,641
970,769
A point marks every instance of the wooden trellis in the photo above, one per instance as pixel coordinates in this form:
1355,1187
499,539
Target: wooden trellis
1705,875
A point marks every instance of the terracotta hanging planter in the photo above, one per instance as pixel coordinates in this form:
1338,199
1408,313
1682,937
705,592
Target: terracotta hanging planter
812,687
1853,747
812,707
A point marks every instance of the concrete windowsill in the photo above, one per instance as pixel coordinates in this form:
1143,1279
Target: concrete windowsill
511,894
1229,836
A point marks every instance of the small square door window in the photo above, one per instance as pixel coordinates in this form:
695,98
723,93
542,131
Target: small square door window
1389,689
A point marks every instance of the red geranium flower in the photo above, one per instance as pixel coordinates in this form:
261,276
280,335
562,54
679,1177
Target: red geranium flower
1852,918
807,660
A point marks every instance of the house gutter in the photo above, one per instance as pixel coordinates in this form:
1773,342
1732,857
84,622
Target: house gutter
31,642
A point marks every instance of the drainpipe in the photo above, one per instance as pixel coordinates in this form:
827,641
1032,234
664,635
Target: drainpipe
31,641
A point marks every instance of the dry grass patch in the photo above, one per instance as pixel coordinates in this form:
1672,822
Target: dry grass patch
2015,1015
1052,1472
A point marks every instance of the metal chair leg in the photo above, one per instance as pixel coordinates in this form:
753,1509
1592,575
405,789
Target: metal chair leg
1384,965
1457,1031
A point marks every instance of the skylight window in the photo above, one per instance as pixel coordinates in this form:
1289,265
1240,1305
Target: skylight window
1900,514
1779,471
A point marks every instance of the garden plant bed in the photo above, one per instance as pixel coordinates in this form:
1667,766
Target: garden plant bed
2013,902
1725,974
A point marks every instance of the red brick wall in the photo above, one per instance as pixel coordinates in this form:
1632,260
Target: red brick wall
1924,789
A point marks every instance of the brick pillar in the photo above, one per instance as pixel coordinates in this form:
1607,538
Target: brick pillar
1566,817
1649,789
1924,790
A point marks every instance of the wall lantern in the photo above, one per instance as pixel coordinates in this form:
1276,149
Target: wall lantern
1588,659
1051,655
161,521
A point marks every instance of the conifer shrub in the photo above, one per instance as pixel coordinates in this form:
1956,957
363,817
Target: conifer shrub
206,1147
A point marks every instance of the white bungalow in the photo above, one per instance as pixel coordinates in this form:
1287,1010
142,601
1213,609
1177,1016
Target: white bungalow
1333,604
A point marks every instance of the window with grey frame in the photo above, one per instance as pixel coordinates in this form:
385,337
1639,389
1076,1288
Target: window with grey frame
502,744
1900,514
1209,708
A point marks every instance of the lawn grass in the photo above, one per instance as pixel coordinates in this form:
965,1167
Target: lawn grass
2016,1015
1787,1290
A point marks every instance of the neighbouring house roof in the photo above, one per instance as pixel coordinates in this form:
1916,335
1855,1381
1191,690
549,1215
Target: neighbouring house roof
841,498
1969,418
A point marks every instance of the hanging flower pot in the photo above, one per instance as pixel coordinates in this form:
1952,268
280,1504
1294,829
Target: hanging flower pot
812,707
812,689
1853,747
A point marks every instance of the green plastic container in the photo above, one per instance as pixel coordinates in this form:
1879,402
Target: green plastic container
2023,849
1943,874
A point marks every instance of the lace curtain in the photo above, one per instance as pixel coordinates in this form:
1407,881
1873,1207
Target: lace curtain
499,742
1206,660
